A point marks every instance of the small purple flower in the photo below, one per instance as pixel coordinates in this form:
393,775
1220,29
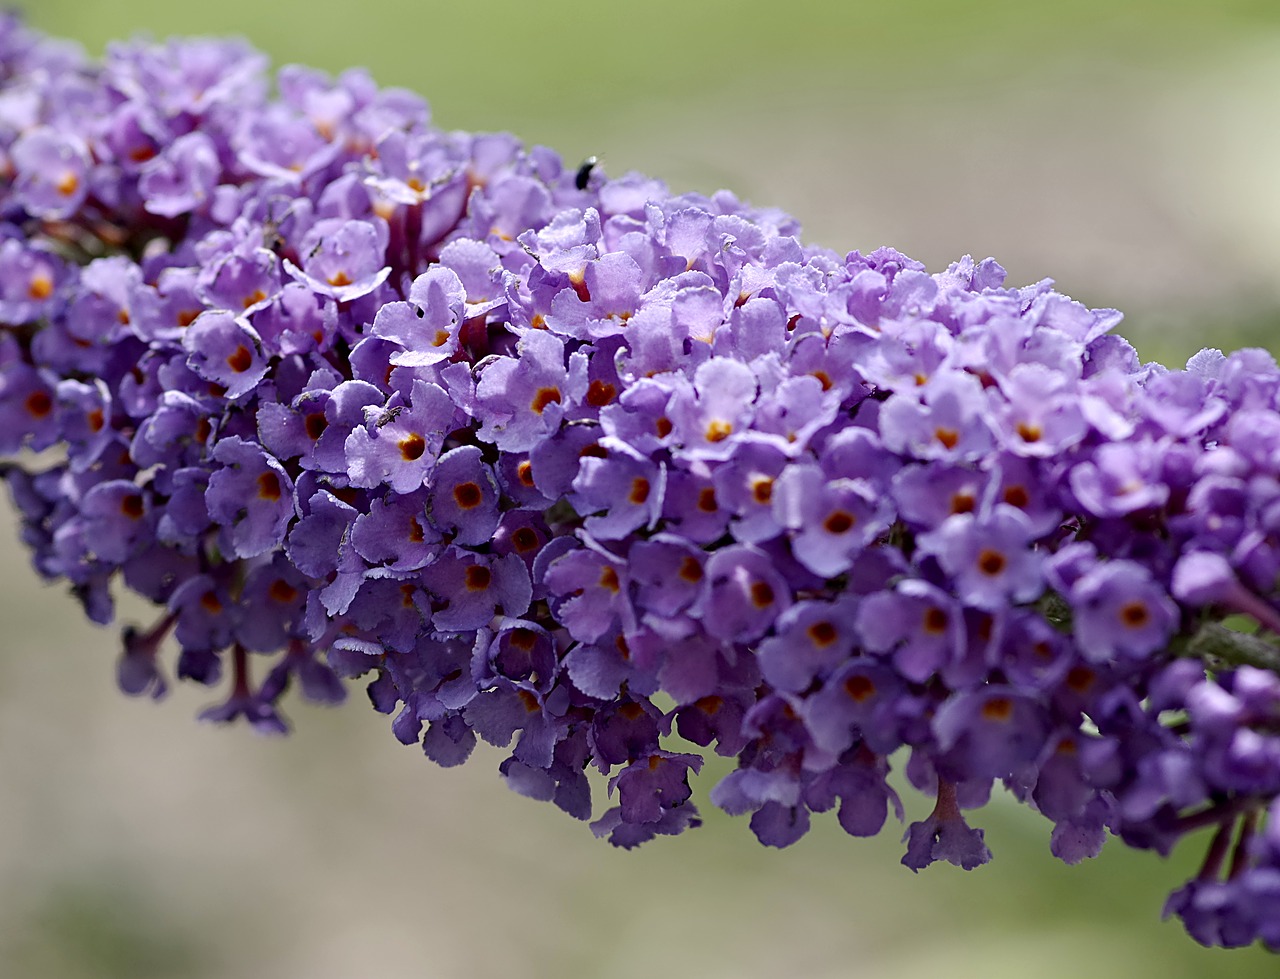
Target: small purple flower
271,600
945,836
343,259
602,301
186,516
920,625
948,421
204,618
639,416
463,499
118,516
275,144
137,671
865,797
244,702
1042,417
831,520
317,680
591,587
242,278
668,573
1121,611
651,786
993,732
27,409
84,417
859,701
523,533
225,350
692,509
1121,478
182,178
30,281
520,401
624,488
709,417
744,594
320,543
427,326
251,497
395,533
744,485
811,639
399,444
989,559
297,321
100,308
52,167
472,588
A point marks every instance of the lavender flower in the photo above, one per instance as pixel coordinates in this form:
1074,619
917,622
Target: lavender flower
539,455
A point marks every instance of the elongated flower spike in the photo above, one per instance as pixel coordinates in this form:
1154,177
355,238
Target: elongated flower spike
605,476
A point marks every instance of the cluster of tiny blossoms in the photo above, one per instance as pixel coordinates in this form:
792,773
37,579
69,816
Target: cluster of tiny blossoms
575,466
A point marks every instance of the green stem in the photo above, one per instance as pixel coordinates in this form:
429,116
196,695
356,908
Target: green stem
1214,641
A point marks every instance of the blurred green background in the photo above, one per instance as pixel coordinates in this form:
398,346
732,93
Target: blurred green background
1129,151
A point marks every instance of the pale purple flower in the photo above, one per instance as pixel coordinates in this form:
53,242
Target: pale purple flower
1121,611
52,167
225,350
182,178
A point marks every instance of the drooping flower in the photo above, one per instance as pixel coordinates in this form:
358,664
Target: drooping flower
585,469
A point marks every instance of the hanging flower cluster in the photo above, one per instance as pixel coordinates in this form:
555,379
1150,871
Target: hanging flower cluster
571,464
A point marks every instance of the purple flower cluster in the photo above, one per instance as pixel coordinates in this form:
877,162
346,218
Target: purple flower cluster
601,474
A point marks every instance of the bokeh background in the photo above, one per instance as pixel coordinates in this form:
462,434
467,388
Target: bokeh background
1130,151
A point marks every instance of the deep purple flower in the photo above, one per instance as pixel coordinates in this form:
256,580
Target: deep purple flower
945,836
463,499
251,497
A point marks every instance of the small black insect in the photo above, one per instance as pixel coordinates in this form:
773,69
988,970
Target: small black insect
584,172
271,236
388,416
